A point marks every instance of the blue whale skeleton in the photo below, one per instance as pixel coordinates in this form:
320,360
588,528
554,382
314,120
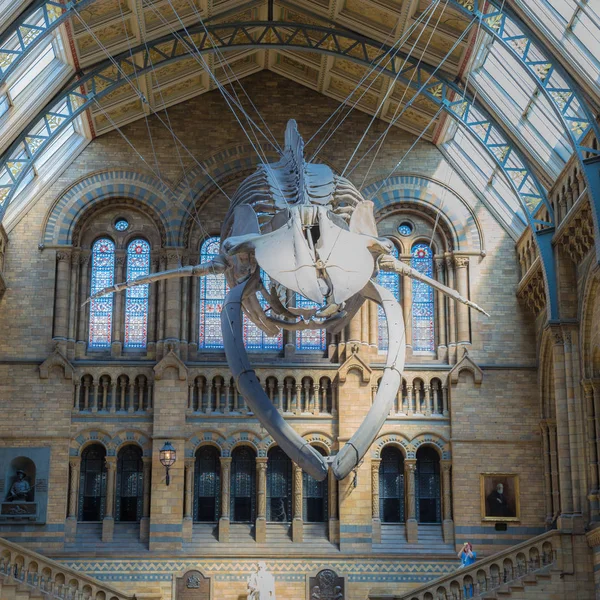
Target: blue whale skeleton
313,233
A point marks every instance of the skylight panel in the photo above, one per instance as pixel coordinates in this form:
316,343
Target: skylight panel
42,61
4,104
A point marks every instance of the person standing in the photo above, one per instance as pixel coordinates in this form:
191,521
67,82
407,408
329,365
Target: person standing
467,555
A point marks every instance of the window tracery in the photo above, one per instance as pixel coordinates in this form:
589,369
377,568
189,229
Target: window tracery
423,335
391,282
137,298
101,309
309,339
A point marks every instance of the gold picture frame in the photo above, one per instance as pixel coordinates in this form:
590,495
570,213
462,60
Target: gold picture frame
500,503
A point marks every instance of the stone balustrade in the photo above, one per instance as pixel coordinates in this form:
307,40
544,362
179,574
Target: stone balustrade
40,574
484,576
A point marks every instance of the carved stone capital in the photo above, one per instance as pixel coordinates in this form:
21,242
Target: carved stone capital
120,260
111,462
461,262
84,257
63,255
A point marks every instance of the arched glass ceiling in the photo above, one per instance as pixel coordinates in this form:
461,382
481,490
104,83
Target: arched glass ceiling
499,79
573,27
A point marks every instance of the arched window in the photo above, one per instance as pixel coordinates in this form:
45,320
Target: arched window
309,339
279,486
391,282
207,484
422,297
101,309
255,338
314,497
429,507
391,485
213,289
92,483
243,485
136,299
130,484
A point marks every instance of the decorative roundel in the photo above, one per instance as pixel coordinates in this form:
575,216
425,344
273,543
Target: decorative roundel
405,228
420,252
122,225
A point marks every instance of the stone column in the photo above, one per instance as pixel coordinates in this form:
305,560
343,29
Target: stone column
364,323
173,306
161,307
61,303
596,396
298,407
373,324
116,347
297,521
194,324
227,391
152,307
71,524
546,461
334,522
224,521
448,523
108,523
588,392
412,528
261,500
411,402
575,437
442,348
84,290
445,400
185,295
188,520
145,521
428,407
73,303
562,421
375,463
113,396
77,389
462,311
407,309
554,468
451,313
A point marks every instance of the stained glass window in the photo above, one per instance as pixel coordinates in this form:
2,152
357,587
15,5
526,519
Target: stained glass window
136,298
213,289
243,485
121,225
101,309
405,228
390,281
422,301
255,338
309,339
314,497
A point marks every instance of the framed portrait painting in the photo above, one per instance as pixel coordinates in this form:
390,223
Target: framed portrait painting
500,497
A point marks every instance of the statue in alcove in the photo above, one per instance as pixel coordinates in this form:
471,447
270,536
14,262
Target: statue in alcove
20,490
311,232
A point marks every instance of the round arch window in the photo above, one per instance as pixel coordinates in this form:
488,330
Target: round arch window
405,228
122,225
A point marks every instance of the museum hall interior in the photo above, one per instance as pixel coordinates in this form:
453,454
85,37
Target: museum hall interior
299,299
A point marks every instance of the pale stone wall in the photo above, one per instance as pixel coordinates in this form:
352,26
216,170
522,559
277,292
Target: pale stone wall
492,424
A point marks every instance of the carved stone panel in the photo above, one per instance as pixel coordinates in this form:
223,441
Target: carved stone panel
192,586
326,585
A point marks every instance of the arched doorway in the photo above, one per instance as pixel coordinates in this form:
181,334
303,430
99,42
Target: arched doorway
92,483
429,505
130,484
279,486
391,485
315,509
243,485
207,484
